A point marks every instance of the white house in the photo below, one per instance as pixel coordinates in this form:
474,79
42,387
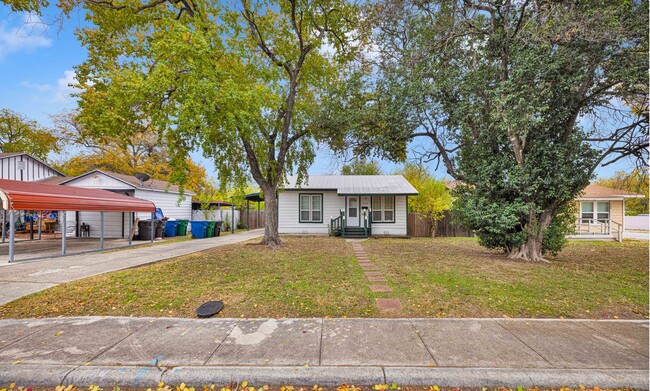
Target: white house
346,205
116,224
19,166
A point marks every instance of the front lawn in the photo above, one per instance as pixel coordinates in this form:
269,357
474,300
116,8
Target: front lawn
319,277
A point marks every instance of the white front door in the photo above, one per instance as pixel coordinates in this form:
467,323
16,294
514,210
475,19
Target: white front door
353,212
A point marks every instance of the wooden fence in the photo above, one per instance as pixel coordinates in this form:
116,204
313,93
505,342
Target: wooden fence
252,219
417,226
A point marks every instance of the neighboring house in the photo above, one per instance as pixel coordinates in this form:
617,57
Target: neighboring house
601,213
347,205
164,195
19,166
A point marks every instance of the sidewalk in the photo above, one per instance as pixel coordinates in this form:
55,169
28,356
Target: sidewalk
446,352
22,278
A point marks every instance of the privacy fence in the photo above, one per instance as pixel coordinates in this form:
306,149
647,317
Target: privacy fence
418,226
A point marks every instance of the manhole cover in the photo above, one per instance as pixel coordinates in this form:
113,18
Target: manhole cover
209,309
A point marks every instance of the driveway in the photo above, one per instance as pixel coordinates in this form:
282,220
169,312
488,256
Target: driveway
637,235
23,278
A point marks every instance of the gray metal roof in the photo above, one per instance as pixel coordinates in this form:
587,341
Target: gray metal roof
355,184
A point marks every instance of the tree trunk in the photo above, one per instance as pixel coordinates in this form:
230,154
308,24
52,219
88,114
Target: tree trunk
531,250
271,236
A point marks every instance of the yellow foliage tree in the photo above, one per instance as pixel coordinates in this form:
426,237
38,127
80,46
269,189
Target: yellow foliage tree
433,199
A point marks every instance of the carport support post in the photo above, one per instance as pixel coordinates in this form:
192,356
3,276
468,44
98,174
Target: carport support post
4,225
101,230
64,235
12,235
130,227
153,223
232,217
40,224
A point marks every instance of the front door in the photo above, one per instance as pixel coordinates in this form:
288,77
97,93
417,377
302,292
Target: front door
353,212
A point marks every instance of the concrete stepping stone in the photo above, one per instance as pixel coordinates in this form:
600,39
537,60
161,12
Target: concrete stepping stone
380,288
368,274
389,304
377,279
370,268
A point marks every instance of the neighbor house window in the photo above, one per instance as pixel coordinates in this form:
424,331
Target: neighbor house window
595,211
383,209
311,208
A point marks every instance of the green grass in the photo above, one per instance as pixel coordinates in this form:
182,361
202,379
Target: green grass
318,276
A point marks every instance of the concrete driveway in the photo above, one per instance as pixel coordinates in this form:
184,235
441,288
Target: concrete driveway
23,278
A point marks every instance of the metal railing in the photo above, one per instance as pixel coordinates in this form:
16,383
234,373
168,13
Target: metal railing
367,222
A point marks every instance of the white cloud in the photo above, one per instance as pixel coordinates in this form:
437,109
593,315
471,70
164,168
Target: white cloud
26,35
36,86
64,90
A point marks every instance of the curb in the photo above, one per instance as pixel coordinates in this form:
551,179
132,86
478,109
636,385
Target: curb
149,376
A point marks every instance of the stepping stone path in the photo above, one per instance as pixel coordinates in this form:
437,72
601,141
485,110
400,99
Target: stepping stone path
374,274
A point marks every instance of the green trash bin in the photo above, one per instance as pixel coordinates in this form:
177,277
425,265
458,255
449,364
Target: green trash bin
182,227
211,225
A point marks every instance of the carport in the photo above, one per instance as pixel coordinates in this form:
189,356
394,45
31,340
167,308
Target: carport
31,196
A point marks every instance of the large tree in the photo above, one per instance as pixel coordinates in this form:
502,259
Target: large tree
519,100
241,80
21,134
361,167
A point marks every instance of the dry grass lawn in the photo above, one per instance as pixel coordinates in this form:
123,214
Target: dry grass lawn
318,277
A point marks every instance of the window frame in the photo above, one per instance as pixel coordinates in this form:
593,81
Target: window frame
594,211
311,208
383,209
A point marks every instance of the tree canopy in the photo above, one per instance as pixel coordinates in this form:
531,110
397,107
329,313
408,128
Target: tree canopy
20,134
361,167
243,81
519,100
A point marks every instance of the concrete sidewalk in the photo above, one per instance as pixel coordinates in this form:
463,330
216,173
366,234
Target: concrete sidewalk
22,278
445,352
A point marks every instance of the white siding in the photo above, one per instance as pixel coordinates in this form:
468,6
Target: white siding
168,202
99,181
32,170
112,223
398,228
289,216
289,223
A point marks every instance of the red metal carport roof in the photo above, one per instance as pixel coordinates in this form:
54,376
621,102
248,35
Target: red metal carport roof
18,195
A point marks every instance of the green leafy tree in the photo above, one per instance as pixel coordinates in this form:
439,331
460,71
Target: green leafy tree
515,99
433,199
637,182
239,81
361,167
20,134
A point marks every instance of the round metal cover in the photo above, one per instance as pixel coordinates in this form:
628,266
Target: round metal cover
209,309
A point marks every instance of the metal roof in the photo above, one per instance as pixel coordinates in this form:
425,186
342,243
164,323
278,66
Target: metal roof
19,195
152,184
355,184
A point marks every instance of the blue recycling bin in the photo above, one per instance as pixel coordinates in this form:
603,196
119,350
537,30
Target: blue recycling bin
199,229
170,228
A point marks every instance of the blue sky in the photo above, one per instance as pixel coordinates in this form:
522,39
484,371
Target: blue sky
37,64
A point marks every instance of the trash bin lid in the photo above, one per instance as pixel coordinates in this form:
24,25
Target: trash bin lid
209,309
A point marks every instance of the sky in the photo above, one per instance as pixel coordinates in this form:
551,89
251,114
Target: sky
37,65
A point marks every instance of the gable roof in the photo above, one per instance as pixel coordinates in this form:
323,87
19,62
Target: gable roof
152,184
20,195
53,180
4,155
355,184
597,191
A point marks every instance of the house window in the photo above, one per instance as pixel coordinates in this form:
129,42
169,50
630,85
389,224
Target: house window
311,208
595,211
383,209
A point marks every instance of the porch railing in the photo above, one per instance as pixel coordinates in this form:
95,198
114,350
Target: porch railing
367,221
599,227
337,225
